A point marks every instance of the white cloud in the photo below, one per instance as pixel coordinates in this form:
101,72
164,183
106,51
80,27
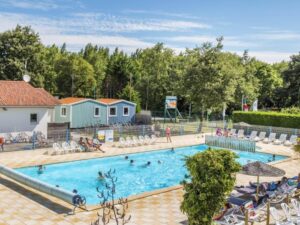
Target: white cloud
103,40
279,36
269,56
199,39
32,4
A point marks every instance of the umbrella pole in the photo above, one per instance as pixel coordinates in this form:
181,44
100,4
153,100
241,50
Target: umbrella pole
257,188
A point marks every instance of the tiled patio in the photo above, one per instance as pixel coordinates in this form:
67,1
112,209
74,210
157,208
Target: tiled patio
22,205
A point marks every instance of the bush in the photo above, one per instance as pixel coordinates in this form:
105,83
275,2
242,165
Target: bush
211,180
275,119
292,110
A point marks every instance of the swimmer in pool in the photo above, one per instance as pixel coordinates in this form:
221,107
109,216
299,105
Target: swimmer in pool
100,176
172,150
131,162
126,157
41,168
159,162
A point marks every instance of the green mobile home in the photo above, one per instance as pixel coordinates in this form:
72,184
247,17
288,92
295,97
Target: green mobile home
81,112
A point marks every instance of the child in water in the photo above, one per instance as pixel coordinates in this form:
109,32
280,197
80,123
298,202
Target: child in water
100,176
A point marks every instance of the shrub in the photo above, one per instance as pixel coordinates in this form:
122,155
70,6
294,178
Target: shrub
211,180
292,110
275,119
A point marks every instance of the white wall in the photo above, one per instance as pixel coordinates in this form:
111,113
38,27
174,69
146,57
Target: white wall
18,120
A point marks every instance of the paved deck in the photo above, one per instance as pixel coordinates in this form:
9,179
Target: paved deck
21,205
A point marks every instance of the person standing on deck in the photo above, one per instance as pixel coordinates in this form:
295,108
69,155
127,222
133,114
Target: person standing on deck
168,134
2,143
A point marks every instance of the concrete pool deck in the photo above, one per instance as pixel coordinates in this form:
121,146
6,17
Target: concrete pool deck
22,205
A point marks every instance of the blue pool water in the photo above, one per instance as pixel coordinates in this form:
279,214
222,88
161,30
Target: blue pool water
132,179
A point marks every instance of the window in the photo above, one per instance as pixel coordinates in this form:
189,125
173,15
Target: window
63,111
125,111
33,118
96,112
113,111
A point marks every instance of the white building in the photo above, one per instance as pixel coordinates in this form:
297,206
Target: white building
24,108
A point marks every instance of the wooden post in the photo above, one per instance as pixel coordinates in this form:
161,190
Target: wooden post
268,213
246,216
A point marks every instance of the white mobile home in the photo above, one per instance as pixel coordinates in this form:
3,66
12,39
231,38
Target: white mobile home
24,108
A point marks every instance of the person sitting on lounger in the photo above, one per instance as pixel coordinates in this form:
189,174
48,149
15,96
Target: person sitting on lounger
97,145
82,144
219,132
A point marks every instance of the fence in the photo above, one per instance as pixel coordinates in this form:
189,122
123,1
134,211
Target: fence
230,143
278,130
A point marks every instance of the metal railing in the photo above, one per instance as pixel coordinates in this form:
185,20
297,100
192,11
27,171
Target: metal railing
230,143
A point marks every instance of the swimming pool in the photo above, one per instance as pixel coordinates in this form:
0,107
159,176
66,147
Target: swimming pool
132,179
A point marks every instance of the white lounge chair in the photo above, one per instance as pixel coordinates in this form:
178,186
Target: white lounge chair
130,142
288,214
233,132
253,135
57,149
136,141
281,139
154,138
142,140
122,143
296,206
292,141
66,147
278,220
270,139
261,136
75,146
232,219
241,133
148,140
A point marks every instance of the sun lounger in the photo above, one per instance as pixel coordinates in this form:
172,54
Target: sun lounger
253,135
232,133
288,214
241,133
281,139
261,136
76,147
278,220
270,139
136,141
143,141
296,206
292,141
57,149
130,142
148,140
154,138
66,147
122,143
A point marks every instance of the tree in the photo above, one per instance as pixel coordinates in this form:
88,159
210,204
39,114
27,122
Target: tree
128,93
211,180
21,47
291,78
155,73
119,70
75,76
98,57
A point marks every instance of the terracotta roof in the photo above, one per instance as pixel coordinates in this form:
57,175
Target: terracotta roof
108,100
71,100
20,93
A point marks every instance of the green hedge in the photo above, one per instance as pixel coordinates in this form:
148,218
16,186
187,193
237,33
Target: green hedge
274,119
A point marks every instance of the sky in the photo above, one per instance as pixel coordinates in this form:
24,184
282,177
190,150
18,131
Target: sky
268,29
